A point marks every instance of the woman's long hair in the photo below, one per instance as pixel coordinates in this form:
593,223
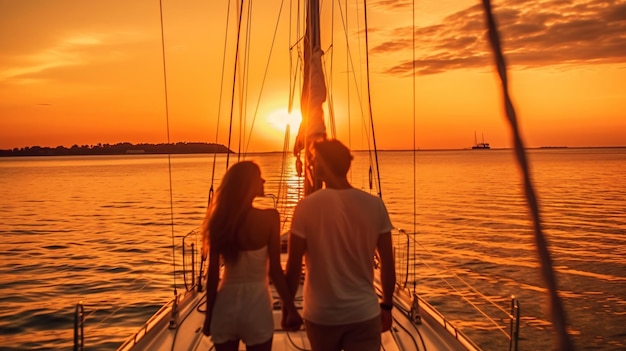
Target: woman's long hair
226,214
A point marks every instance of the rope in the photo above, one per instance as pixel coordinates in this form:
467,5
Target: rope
294,344
120,307
169,156
409,333
396,320
414,142
267,65
350,69
283,171
369,97
547,270
469,286
232,96
329,98
329,78
348,91
219,101
246,77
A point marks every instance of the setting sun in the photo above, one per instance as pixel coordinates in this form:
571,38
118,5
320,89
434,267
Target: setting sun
280,118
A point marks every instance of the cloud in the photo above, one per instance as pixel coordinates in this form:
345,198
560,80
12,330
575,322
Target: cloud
393,4
533,34
68,52
71,51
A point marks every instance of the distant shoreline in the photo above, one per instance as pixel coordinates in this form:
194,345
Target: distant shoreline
119,149
183,148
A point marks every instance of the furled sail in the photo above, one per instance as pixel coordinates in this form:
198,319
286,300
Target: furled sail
312,127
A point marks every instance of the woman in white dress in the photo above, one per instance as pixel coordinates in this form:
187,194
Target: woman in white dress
245,238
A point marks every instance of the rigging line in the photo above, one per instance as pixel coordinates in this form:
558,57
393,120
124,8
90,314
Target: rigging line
469,286
329,95
369,97
449,270
267,65
244,86
330,85
556,308
219,101
329,76
351,71
328,73
281,183
360,83
357,84
169,156
232,98
292,89
120,307
414,141
489,318
296,72
348,107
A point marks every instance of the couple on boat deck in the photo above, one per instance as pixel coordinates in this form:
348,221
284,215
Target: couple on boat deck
337,230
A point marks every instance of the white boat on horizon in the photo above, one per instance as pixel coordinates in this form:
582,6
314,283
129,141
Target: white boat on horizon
482,145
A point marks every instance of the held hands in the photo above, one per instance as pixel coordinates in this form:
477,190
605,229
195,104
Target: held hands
291,320
385,320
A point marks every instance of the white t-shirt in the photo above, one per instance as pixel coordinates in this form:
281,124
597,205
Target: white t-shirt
341,228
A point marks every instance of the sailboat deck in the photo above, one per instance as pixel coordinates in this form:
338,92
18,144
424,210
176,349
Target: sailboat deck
184,332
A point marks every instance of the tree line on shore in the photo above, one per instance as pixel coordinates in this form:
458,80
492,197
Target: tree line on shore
118,149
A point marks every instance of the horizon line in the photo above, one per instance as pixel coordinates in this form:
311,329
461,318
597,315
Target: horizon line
356,150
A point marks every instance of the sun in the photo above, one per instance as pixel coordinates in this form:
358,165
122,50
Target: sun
280,118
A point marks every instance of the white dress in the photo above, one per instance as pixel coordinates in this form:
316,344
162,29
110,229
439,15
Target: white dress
243,305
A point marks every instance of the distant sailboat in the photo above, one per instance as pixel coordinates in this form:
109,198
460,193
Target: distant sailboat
481,145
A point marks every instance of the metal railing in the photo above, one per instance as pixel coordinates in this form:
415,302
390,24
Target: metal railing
79,325
192,264
404,242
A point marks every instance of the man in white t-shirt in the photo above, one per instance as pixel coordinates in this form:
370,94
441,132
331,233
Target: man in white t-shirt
338,230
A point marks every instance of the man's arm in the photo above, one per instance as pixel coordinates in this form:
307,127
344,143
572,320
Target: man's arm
387,276
295,252
296,249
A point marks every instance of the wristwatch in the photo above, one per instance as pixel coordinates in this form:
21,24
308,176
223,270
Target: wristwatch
386,306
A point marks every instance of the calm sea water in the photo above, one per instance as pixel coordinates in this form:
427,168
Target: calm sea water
98,230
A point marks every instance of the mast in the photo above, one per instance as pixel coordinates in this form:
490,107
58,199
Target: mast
312,127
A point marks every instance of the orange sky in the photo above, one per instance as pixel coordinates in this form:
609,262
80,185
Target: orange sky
82,72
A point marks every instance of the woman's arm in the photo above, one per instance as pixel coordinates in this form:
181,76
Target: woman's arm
292,321
211,288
